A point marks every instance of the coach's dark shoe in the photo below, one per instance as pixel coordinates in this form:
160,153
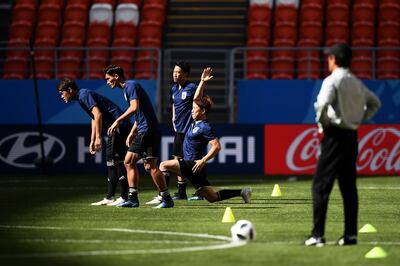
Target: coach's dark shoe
347,240
315,241
178,196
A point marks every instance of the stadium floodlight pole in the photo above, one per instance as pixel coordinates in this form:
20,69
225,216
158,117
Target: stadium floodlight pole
42,161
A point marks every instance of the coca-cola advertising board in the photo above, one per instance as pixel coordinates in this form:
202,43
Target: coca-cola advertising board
294,149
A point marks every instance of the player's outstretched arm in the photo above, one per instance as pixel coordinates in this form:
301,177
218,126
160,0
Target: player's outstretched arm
205,76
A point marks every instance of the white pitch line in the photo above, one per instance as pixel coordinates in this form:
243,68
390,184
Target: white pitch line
380,188
103,241
218,246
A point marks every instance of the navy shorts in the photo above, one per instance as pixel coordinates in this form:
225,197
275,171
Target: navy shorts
198,180
147,145
116,148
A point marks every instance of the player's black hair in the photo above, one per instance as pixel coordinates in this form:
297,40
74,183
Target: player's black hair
184,66
205,102
113,69
66,84
342,54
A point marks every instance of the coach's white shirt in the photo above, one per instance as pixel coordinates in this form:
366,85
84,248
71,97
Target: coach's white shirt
344,101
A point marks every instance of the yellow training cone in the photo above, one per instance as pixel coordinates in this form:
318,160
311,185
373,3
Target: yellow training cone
228,216
368,228
376,253
276,192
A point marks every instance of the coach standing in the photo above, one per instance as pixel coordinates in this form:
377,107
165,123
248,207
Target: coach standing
343,103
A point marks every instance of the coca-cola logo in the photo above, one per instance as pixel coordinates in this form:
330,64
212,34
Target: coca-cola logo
374,153
379,149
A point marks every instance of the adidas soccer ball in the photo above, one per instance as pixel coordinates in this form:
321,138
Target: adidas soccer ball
243,230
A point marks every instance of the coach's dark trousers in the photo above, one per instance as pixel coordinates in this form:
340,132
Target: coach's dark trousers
339,150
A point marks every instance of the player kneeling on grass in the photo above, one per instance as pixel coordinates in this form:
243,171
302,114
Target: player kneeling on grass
195,156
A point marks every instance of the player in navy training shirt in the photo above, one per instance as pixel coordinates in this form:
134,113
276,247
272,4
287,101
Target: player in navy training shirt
143,140
195,156
103,113
183,93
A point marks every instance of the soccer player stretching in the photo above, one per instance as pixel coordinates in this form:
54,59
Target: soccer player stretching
195,156
103,112
143,140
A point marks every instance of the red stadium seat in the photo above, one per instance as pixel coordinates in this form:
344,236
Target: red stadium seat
368,2
153,12
388,68
257,43
69,67
282,68
126,32
258,30
262,13
388,30
389,11
18,48
308,48
363,12
21,30
44,48
257,67
24,11
125,63
111,2
312,31
145,68
337,12
50,12
71,48
97,48
150,29
136,2
358,51
95,67
336,32
285,31
77,12
122,48
99,32
308,68
86,3
48,30
317,2
147,45
44,67
363,30
285,13
362,67
389,48
15,68
311,12
74,30
284,48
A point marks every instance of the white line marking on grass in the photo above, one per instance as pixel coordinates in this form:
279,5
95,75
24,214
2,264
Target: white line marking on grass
104,241
125,252
379,188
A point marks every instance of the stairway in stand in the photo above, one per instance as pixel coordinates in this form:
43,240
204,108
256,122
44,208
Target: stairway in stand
203,33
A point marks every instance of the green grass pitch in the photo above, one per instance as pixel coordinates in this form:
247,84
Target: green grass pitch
48,220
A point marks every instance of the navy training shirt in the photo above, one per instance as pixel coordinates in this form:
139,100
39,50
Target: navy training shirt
183,101
109,110
196,140
145,116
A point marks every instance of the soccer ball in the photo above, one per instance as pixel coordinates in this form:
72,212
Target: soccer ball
243,230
